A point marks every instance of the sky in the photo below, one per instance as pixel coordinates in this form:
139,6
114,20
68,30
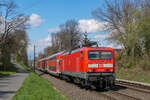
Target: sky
45,16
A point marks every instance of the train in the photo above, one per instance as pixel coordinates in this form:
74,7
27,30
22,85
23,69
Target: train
87,66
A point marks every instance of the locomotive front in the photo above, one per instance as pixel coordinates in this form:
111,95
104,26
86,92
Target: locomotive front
101,67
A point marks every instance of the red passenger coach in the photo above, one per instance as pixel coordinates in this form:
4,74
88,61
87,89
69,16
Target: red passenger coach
55,63
51,64
87,66
41,64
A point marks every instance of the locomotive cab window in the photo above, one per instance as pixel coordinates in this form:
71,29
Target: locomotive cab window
99,55
105,54
93,55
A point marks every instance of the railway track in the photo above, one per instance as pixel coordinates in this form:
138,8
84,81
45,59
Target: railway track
137,87
134,88
120,92
119,96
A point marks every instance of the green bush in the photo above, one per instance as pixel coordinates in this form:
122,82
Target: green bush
128,65
119,57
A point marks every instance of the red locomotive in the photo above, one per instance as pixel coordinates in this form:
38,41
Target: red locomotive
87,66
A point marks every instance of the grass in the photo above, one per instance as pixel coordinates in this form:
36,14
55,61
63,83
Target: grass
133,74
24,66
134,70
12,70
36,88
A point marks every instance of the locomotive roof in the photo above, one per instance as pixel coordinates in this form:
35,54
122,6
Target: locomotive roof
76,50
90,48
98,48
51,56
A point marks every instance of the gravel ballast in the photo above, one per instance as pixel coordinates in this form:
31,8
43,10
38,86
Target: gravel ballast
74,92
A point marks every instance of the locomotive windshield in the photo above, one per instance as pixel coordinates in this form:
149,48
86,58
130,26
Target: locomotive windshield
106,54
93,55
99,55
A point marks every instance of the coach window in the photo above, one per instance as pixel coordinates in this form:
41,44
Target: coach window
81,55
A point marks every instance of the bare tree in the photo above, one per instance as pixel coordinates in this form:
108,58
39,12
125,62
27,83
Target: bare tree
10,21
69,35
67,38
128,25
19,45
121,16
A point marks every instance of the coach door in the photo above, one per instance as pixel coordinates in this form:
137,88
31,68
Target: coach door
58,65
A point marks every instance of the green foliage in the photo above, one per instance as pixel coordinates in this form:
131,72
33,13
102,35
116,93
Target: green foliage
3,74
19,46
119,57
129,24
144,64
13,38
128,65
36,88
12,70
24,66
134,74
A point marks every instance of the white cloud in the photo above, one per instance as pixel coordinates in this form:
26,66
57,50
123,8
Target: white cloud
105,43
40,44
101,36
50,30
115,46
35,20
91,25
86,25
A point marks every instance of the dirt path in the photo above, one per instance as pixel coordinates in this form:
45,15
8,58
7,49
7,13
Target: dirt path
10,84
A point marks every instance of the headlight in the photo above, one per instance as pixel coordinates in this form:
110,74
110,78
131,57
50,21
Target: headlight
111,70
90,70
92,65
108,65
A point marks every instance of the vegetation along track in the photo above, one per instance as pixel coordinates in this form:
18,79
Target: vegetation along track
74,92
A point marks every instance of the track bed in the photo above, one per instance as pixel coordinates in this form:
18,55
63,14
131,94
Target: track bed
75,92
